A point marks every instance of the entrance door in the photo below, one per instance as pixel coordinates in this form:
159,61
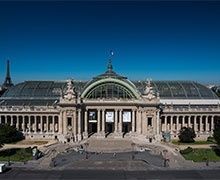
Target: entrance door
109,127
126,127
92,128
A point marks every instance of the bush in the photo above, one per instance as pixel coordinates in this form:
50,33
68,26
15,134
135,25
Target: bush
211,139
9,134
216,134
187,135
186,151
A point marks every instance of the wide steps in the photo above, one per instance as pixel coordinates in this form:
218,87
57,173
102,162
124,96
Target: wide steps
109,145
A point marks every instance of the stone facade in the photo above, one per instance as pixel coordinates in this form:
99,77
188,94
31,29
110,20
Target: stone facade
107,106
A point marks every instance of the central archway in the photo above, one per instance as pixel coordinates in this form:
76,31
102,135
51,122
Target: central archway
110,88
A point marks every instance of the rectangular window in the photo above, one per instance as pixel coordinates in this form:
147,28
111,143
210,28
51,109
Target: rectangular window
149,121
92,116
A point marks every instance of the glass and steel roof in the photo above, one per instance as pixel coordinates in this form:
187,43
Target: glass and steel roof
46,93
179,89
36,89
33,93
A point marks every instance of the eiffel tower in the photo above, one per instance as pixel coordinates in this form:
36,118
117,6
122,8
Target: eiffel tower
8,82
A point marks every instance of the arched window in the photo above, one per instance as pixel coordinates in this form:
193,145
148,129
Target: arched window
109,90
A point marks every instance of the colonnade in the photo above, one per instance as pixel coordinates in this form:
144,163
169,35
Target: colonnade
33,123
101,120
200,123
54,123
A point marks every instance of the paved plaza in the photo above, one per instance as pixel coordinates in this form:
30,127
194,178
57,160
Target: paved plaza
126,160
105,174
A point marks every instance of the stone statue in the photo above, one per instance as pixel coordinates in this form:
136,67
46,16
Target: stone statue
70,92
149,92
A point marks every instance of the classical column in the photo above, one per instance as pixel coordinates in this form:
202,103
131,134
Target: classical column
195,124
189,121
29,123
138,122
206,124
64,122
103,121
177,124
35,121
23,124
60,122
133,120
165,122
171,124
116,120
98,121
158,123
11,120
212,124
47,124
143,120
79,125
53,124
86,123
183,121
200,124
41,123
74,123
120,121
17,122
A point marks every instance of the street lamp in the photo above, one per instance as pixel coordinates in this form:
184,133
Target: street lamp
132,145
86,147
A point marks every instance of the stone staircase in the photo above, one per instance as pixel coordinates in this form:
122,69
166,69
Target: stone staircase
109,145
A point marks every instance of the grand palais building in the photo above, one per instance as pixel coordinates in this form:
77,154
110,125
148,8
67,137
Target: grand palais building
109,105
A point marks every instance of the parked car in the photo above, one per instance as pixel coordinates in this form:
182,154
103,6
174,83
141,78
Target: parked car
2,168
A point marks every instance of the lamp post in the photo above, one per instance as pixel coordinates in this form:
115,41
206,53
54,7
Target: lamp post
132,145
86,148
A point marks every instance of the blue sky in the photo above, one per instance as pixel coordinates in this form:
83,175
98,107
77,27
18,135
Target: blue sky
159,40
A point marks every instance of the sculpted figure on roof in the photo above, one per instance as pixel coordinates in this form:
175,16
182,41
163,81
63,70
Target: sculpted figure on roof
70,92
149,92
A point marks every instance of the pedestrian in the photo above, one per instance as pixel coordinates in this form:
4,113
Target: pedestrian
132,156
166,157
207,162
114,154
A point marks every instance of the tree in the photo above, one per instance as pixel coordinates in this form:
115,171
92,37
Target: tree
216,134
9,134
187,135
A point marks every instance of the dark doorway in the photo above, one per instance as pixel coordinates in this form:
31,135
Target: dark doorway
92,128
126,127
109,127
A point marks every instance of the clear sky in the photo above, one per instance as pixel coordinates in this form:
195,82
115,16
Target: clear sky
159,40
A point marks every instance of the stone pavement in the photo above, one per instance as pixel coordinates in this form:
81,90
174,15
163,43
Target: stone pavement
125,160
63,156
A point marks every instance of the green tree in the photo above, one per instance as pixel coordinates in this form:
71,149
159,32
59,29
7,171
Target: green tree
216,134
9,134
218,93
187,135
